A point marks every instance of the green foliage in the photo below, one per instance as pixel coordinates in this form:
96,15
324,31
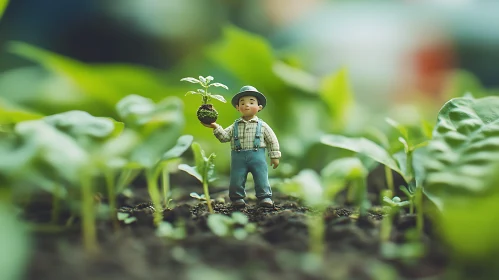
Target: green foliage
159,125
204,170
237,225
205,82
367,148
174,232
69,84
464,150
462,177
86,129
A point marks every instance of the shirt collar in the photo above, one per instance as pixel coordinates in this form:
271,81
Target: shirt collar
254,119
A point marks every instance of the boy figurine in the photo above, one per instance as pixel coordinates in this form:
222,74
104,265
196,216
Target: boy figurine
248,149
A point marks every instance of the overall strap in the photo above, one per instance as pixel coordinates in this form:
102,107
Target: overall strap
235,134
258,135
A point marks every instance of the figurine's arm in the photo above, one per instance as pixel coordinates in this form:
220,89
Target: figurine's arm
223,135
271,141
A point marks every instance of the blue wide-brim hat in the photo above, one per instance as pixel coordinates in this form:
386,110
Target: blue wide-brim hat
249,91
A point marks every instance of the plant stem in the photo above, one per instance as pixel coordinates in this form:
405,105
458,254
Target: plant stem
125,178
207,194
111,192
389,179
419,205
363,201
165,182
88,214
316,233
386,228
56,204
152,187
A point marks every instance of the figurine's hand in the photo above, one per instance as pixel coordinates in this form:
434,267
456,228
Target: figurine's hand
274,162
211,125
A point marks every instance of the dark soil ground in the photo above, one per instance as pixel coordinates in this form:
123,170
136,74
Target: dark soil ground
277,250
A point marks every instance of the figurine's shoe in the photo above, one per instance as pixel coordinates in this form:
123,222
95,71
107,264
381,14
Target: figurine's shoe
239,203
266,202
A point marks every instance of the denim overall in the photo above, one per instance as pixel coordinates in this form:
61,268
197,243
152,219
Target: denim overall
244,161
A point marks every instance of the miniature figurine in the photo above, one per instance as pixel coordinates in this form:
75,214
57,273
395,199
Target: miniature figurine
249,136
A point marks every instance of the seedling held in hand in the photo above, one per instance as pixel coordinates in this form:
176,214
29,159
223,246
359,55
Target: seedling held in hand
206,112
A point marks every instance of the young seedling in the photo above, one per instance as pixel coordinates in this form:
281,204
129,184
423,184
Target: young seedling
392,207
203,170
170,231
183,143
158,126
317,192
206,112
237,225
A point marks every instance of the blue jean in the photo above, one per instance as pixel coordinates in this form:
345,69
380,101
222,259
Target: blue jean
241,164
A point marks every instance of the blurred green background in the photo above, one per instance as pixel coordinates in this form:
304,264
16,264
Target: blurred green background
326,66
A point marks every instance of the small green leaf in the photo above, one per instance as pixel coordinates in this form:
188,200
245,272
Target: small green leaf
203,80
197,196
209,79
250,227
191,170
190,80
191,92
240,233
201,91
239,218
122,216
219,85
199,157
219,224
210,165
401,129
219,98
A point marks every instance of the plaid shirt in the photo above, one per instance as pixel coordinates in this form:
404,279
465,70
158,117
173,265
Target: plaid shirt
247,132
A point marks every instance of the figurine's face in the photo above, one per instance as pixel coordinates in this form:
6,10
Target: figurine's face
248,106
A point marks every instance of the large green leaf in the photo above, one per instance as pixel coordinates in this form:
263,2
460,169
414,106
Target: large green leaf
39,155
464,151
365,147
84,127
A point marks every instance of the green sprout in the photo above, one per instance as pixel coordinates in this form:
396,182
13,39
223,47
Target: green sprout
203,170
237,225
392,207
206,112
